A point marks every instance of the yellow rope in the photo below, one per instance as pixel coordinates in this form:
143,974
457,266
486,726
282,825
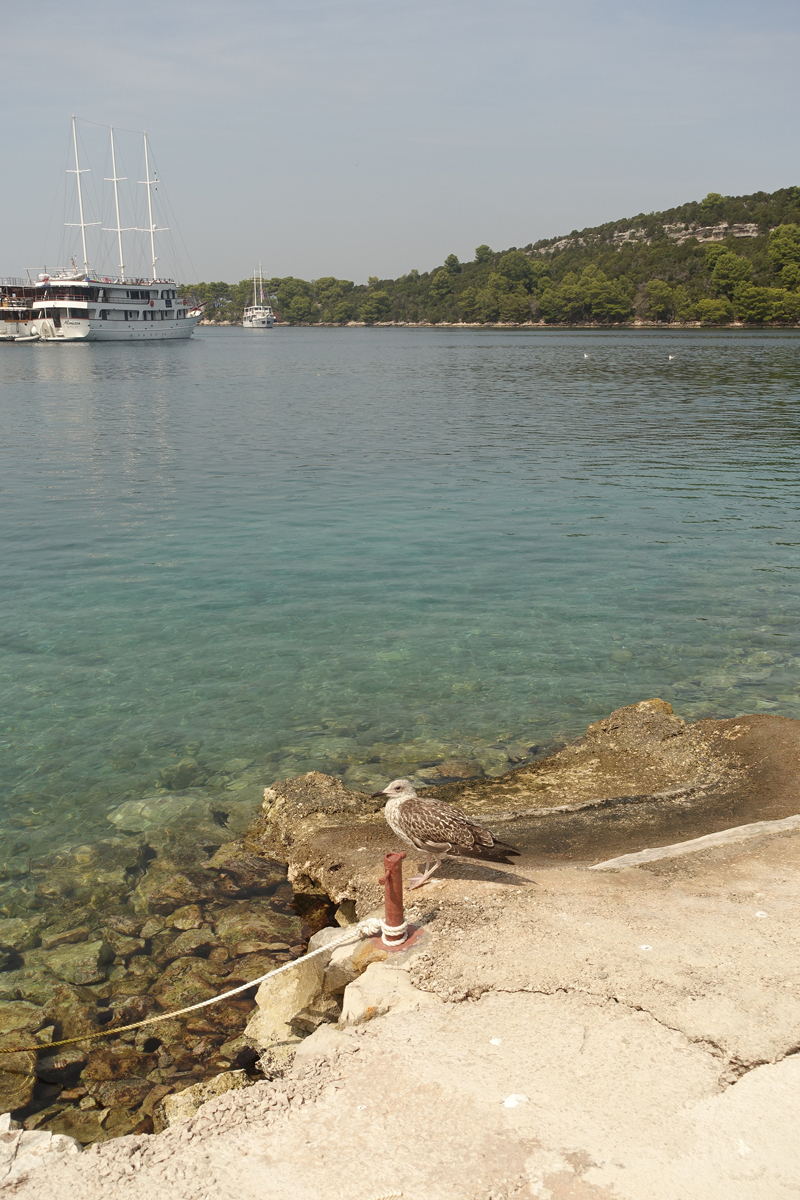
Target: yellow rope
364,928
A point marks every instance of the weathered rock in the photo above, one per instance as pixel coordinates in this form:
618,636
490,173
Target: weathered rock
23,1151
179,1107
380,989
348,962
153,812
278,1001
81,964
323,1011
17,1073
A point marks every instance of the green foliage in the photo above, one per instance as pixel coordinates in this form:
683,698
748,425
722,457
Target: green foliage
651,267
729,271
376,307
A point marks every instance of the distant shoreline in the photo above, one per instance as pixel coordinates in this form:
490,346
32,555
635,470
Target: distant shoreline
649,325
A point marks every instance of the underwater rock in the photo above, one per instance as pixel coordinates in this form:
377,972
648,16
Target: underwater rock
20,933
35,984
84,1125
153,812
73,1010
190,942
21,1015
184,774
188,917
65,937
17,1074
454,768
163,889
122,945
64,1066
243,874
81,964
121,1093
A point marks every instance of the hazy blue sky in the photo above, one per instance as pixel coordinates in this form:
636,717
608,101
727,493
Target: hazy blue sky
364,137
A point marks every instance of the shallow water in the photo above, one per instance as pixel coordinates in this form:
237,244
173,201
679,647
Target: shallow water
262,552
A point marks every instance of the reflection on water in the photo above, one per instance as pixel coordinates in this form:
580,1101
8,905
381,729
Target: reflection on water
333,548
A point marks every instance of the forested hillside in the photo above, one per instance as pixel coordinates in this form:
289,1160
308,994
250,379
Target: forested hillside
718,260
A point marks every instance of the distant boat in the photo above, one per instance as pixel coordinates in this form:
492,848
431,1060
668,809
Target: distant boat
78,304
258,315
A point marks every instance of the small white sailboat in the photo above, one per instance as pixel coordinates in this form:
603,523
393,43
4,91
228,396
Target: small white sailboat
258,315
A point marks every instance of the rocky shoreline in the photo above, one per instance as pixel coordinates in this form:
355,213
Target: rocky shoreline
169,908
583,1035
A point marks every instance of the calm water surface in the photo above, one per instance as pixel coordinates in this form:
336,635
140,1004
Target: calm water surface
269,551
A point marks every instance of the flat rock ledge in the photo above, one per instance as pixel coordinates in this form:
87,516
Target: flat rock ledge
638,778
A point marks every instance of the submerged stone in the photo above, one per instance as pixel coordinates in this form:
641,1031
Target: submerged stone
17,1073
81,964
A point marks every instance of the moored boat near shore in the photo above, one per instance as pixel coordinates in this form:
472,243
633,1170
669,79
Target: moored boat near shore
80,304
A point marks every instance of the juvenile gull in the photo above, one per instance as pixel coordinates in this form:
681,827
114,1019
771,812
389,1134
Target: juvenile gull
438,829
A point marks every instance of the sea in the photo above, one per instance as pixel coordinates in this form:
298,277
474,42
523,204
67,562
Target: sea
367,551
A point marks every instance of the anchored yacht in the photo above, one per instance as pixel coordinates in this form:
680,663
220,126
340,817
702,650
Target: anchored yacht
258,315
79,304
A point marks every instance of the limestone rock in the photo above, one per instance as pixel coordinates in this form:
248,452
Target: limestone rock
73,1009
323,1011
83,1125
23,1151
182,1105
279,1000
380,989
81,964
325,1042
151,812
348,962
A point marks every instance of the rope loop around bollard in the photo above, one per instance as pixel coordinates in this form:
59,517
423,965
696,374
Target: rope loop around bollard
394,935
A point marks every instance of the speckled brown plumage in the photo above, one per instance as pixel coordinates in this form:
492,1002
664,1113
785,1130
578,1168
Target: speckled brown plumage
438,829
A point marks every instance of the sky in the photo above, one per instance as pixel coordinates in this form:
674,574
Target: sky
364,137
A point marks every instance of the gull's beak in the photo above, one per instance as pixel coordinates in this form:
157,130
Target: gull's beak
375,795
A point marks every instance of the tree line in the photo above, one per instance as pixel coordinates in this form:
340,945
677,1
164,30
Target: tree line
719,260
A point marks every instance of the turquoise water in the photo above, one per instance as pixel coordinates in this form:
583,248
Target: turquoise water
347,549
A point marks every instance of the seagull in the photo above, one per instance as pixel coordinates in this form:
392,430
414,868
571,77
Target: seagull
437,828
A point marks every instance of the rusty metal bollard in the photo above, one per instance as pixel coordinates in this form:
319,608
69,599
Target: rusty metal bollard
395,926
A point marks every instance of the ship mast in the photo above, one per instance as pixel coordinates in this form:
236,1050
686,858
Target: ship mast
151,227
77,173
115,181
254,288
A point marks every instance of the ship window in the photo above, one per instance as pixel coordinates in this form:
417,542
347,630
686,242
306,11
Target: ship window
77,312
104,314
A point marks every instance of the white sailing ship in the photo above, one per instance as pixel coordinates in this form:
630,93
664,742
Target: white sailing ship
258,315
79,304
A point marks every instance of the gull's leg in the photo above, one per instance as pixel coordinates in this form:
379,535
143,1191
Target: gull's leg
417,880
